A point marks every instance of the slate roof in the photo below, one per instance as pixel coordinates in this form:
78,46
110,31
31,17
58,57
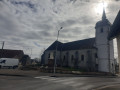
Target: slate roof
104,21
115,29
80,44
75,45
7,53
53,46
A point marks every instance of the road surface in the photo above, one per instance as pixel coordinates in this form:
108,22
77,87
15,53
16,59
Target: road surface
55,83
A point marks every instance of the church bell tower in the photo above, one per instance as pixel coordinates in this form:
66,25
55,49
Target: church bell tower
105,50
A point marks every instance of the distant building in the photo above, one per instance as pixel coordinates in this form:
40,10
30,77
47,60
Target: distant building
25,60
92,54
115,33
8,53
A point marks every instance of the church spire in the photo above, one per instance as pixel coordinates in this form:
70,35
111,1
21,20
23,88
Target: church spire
104,14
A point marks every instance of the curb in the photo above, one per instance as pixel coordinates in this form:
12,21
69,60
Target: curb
105,86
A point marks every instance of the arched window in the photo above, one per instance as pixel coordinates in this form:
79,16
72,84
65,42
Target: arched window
64,57
54,54
82,57
49,55
101,30
72,58
96,56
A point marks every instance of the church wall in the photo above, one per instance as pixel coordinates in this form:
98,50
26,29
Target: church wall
102,45
112,59
118,47
50,54
80,63
101,37
105,50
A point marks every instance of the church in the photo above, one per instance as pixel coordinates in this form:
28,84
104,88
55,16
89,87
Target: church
92,54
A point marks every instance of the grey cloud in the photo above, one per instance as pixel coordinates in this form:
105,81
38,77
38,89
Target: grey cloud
53,1
8,26
68,23
45,33
85,20
73,1
44,26
28,4
31,35
36,44
31,29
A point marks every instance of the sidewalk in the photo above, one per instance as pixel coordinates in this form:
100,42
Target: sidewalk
110,87
33,73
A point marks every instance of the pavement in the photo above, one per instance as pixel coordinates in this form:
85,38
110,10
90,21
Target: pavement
33,73
109,87
35,80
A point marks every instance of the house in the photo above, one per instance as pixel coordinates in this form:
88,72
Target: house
115,33
92,54
8,53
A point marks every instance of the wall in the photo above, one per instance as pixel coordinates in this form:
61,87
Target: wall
80,63
105,50
52,54
118,46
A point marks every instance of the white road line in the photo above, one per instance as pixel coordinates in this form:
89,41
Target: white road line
66,81
69,83
77,84
42,77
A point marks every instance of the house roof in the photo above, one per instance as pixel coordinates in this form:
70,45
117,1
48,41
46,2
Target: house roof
115,29
75,45
7,53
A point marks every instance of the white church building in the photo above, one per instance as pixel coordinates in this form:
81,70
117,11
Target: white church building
92,54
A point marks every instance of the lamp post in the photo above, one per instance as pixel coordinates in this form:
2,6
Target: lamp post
56,50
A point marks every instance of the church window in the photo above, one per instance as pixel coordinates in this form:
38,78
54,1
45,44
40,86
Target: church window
82,57
54,54
101,30
96,56
49,55
64,57
72,58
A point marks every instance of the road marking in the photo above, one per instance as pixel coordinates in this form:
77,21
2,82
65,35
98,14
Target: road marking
77,84
66,81
42,77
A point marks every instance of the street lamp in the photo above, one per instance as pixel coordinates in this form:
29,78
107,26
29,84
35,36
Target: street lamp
56,50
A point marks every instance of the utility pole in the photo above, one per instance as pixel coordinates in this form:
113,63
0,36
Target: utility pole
3,42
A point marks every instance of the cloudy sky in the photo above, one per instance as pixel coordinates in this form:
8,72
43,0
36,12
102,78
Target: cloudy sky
32,25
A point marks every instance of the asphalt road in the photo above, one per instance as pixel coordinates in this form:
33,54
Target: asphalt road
55,83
